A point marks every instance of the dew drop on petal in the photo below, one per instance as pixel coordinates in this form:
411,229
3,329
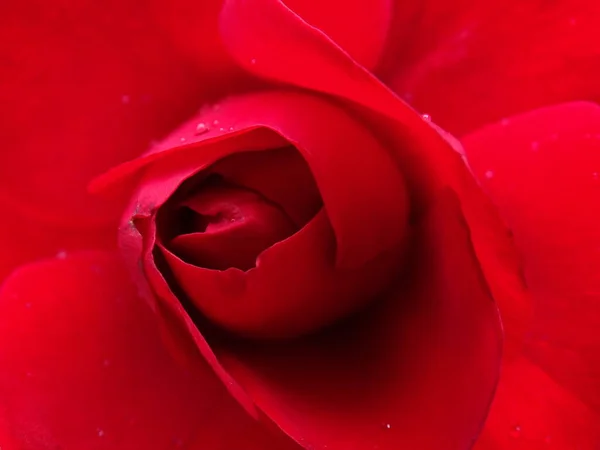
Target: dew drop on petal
253,61
201,128
216,122
515,432
504,122
535,146
100,432
106,362
125,99
182,139
388,426
489,174
61,254
595,176
426,117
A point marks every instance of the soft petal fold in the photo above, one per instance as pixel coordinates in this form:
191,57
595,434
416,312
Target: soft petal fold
542,171
467,63
375,381
82,365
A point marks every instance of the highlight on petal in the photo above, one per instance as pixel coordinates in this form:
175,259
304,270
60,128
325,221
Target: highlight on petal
540,169
82,365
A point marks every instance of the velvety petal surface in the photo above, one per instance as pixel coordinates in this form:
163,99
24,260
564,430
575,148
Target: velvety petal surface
321,272
374,381
542,170
85,86
429,158
82,366
471,62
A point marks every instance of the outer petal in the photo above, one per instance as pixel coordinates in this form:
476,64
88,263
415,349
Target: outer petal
82,366
471,62
85,86
375,381
542,170
360,27
273,42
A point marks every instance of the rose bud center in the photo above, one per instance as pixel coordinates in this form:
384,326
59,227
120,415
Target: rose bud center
227,226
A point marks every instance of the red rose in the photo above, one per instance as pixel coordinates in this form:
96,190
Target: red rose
304,261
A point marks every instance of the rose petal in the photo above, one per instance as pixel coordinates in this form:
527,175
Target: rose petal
350,166
86,86
82,366
360,28
238,225
375,382
281,176
541,169
532,411
468,63
295,287
286,50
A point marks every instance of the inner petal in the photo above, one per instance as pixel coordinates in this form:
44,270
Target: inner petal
228,226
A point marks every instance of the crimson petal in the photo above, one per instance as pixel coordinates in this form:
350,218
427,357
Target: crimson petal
542,171
82,365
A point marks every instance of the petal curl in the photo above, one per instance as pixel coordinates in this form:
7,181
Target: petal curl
82,366
374,381
542,171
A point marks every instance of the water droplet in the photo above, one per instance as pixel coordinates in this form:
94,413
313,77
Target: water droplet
572,21
388,426
106,362
535,146
504,122
489,174
595,176
125,99
221,129
28,305
426,117
216,122
515,432
61,254
100,432
201,128
231,128
216,107
182,139
253,61
28,374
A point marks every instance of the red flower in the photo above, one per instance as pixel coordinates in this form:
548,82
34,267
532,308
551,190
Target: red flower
303,261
